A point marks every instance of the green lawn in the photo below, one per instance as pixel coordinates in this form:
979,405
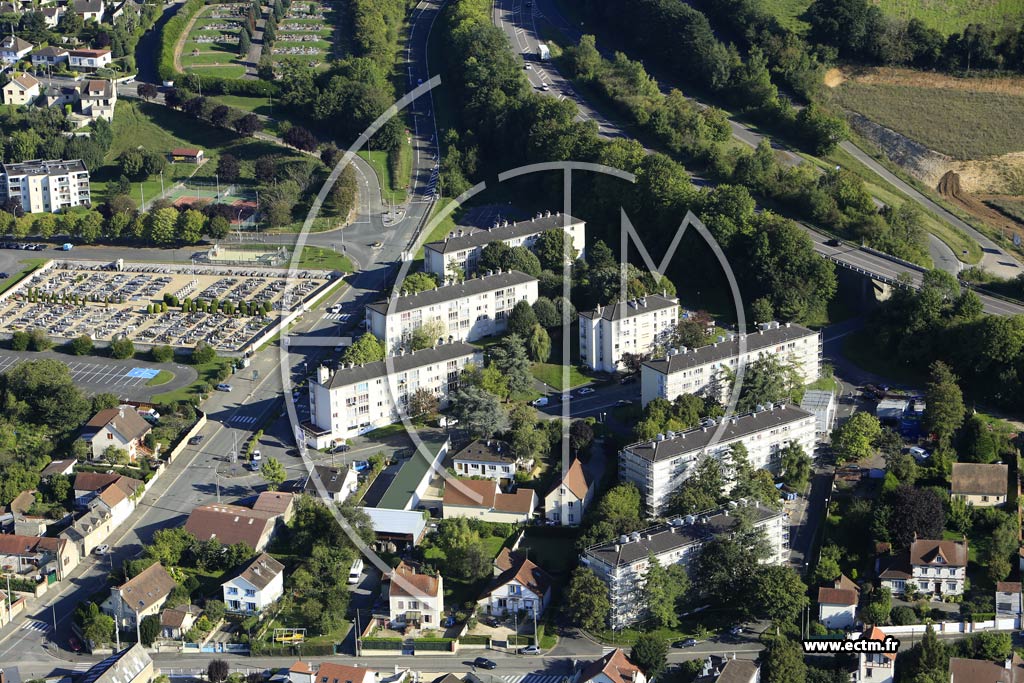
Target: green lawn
378,160
552,375
255,105
162,377
947,17
444,227
208,373
224,71
27,266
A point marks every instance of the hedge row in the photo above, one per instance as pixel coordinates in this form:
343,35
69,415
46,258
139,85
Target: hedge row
212,85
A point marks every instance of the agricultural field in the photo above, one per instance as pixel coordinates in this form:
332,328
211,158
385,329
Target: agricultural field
947,17
961,123
308,31
211,46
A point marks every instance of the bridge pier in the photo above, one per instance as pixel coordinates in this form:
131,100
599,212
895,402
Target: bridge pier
860,291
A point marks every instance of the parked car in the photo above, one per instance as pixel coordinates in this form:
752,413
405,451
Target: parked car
196,440
4,276
736,631
585,391
256,455
342,448
540,402
529,650
624,402
223,387
689,642
74,644
360,465
484,663
102,549
629,379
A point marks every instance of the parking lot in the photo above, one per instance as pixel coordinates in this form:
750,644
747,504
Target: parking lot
176,305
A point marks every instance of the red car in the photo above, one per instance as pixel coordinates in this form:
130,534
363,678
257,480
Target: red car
74,644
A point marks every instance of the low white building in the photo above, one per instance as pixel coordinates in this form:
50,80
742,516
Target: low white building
659,467
257,586
1008,599
934,568
468,311
622,563
523,586
823,404
13,48
636,326
570,497
89,60
702,371
338,483
837,604
356,399
46,186
22,89
461,249
490,458
415,599
482,499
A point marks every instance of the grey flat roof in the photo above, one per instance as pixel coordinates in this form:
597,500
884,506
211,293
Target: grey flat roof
387,521
471,287
480,238
666,537
737,427
40,167
627,309
343,377
817,399
756,341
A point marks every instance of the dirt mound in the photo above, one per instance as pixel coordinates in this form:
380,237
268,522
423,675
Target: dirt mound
949,187
834,78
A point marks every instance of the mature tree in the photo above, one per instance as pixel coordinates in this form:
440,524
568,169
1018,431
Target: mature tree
300,138
479,410
191,224
248,125
916,513
620,508
854,439
650,653
160,225
587,600
522,319
509,356
323,600
423,402
365,349
689,333
780,592
662,590
123,348
217,671
529,439
726,570
944,403
228,167
149,629
784,662
169,545
203,353
419,282
219,115
796,465
554,250
547,314
342,198
581,434
218,227
701,491
539,344
273,473
42,392
426,335
466,556
765,381
81,345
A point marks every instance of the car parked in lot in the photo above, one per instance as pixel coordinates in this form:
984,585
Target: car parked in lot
484,663
223,387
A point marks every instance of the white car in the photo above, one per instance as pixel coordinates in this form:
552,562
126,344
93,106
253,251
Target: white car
529,650
223,387
585,391
540,402
336,308
528,67
256,455
102,549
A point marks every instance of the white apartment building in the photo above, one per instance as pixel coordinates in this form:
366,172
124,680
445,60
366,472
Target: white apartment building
659,467
634,326
354,400
622,563
468,311
462,248
46,186
701,371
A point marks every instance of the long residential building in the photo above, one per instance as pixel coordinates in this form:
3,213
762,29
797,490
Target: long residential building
702,371
459,252
659,467
46,186
622,563
635,326
356,399
472,310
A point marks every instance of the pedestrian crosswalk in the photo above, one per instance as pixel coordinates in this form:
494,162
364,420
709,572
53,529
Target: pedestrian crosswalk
33,625
338,317
242,420
534,678
605,650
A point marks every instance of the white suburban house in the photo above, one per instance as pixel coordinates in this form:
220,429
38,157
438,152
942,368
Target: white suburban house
46,186
460,250
49,56
660,466
613,667
355,399
702,371
875,667
467,311
89,60
979,485
622,563
120,427
256,587
636,326
482,499
568,500
936,568
1008,599
490,458
415,599
22,89
13,48
139,597
523,586
89,10
96,99
338,483
837,604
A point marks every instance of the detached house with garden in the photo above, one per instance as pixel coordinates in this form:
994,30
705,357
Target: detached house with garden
257,586
931,567
120,427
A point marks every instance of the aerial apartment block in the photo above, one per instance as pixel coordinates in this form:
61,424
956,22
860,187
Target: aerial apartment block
46,186
468,311
659,467
622,563
635,326
703,371
358,398
461,249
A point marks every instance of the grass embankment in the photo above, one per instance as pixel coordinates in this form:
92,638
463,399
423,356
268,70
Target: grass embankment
551,375
162,377
209,373
378,160
947,17
963,124
27,266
